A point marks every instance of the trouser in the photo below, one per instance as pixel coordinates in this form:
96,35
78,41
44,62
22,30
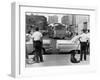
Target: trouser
38,53
83,50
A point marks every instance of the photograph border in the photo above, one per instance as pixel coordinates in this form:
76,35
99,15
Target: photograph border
16,43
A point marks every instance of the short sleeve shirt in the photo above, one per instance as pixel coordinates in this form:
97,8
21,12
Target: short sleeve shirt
37,35
84,37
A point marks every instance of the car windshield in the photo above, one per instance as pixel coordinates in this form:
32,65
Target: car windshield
59,27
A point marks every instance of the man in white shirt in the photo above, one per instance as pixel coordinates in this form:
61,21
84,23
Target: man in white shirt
37,43
83,41
83,38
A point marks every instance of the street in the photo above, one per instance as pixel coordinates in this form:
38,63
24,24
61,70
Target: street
58,60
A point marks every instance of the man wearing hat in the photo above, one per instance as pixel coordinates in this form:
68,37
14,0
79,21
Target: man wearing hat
83,38
37,43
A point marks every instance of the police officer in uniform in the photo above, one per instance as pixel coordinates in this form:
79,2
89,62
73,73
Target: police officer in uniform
83,38
37,43
83,44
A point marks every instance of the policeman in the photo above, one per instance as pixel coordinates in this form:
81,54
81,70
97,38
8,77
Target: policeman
37,43
83,44
83,38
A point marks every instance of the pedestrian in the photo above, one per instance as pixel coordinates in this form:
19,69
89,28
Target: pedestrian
83,38
83,44
37,43
28,37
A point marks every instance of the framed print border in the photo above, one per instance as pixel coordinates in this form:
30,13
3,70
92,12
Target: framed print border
18,11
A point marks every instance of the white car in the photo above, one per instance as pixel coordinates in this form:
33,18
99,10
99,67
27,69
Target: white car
67,45
55,45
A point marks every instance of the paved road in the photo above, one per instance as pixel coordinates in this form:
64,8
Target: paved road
57,60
